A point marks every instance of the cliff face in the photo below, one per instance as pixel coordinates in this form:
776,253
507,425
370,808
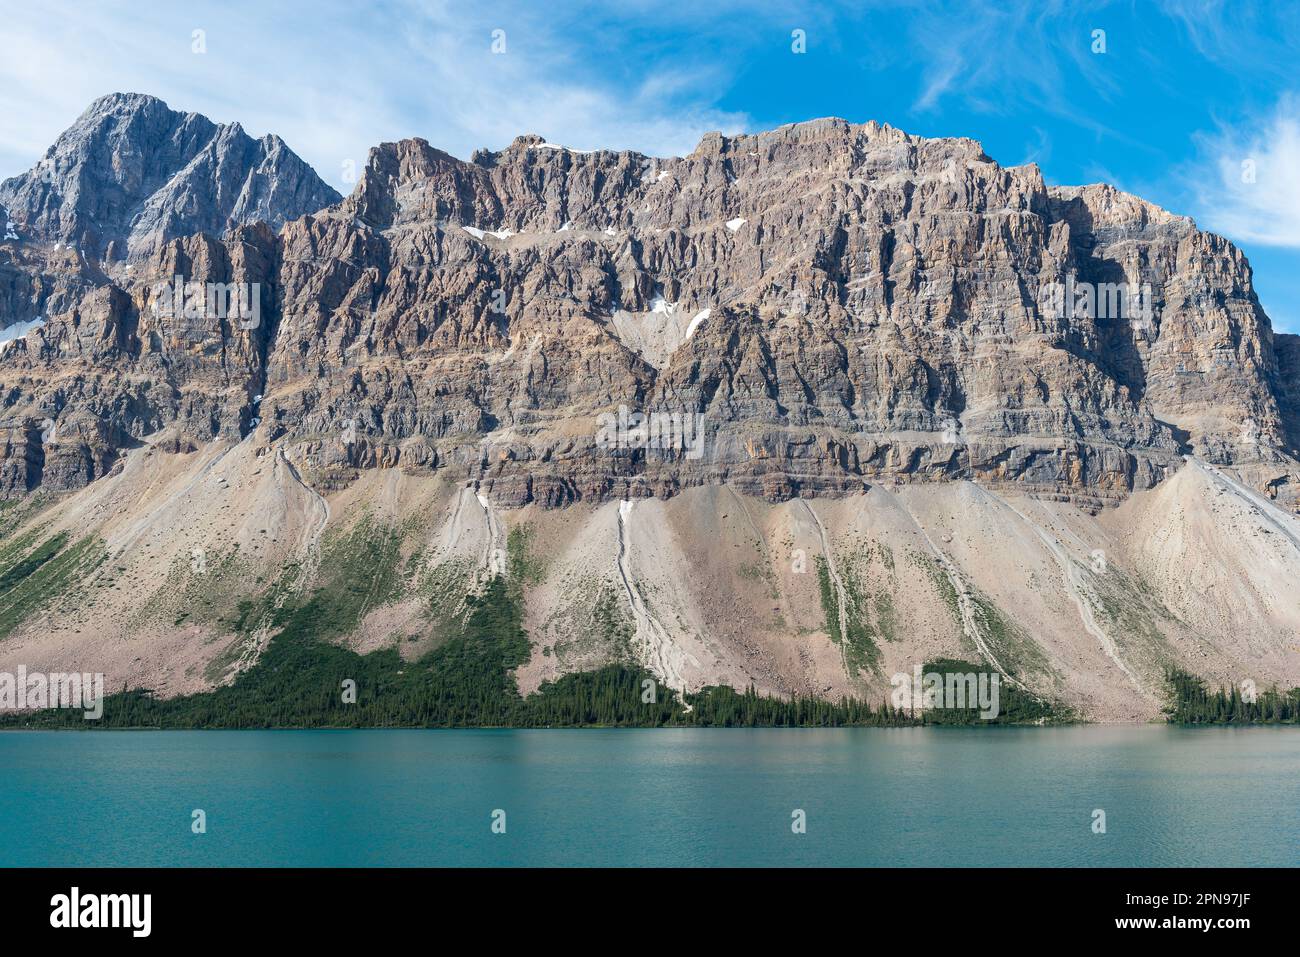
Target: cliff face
890,383
837,304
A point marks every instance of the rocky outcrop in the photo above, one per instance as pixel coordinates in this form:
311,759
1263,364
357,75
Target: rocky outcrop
131,174
1287,350
808,311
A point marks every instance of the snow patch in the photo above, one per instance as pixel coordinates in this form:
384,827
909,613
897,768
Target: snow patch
566,149
660,304
497,233
10,231
695,322
735,224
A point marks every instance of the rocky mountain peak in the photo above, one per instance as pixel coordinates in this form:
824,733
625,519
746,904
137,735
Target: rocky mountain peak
131,173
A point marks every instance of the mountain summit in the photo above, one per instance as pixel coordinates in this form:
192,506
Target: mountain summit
132,173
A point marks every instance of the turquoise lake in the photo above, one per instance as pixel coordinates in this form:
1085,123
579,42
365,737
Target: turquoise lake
674,797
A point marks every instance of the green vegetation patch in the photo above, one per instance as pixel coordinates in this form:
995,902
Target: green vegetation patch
15,512
1130,612
299,682
866,618
360,569
34,577
303,678
1014,649
1190,702
1014,704
525,566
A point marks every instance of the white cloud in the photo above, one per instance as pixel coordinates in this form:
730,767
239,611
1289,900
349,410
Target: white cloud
1248,181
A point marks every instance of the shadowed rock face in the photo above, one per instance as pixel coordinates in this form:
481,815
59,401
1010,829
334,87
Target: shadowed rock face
839,304
131,174
1287,349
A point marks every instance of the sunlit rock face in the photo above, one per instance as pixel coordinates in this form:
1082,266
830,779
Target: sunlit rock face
838,305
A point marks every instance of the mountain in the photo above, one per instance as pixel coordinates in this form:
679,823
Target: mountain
131,174
897,427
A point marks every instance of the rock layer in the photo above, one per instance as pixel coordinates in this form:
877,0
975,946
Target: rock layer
835,304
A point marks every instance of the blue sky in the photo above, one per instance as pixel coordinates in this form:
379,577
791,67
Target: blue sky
1183,95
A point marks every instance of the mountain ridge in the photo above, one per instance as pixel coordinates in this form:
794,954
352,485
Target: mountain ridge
842,314
170,174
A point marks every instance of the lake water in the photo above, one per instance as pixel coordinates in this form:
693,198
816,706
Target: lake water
907,796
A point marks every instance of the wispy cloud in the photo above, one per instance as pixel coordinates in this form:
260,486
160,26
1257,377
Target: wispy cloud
1259,37
339,78
1005,55
1247,181
1040,149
